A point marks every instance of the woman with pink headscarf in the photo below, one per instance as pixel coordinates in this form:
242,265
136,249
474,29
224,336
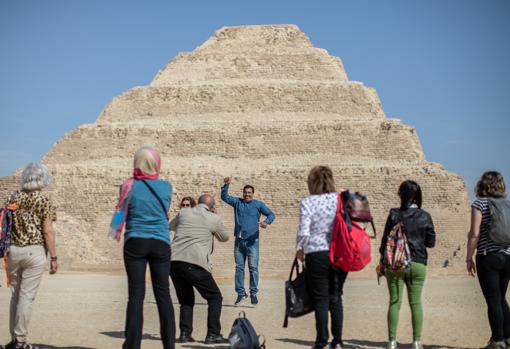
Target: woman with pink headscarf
142,208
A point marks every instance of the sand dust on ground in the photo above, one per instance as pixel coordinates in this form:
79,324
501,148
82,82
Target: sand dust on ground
85,311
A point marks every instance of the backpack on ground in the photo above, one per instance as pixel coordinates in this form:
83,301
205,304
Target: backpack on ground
243,335
350,248
7,216
397,255
499,225
297,299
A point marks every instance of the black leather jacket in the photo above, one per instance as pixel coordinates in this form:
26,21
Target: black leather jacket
419,228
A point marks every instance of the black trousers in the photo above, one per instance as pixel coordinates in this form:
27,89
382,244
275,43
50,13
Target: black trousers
494,275
137,253
325,285
185,276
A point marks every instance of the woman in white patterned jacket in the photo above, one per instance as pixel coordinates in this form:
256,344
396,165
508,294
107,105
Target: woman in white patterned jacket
317,214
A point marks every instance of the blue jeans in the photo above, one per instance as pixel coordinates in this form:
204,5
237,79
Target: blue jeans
247,249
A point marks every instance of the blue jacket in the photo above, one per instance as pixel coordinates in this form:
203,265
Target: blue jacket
247,215
146,218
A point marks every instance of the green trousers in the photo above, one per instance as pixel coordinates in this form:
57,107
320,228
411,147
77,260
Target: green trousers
414,281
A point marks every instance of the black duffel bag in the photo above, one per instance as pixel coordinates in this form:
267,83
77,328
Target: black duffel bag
297,299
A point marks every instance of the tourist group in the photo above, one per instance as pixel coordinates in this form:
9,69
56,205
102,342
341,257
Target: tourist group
141,216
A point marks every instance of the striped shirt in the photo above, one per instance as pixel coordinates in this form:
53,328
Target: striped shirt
485,243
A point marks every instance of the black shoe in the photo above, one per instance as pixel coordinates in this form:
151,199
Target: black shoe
185,338
240,298
254,300
215,339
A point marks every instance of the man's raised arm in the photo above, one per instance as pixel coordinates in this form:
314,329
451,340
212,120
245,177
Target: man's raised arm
224,192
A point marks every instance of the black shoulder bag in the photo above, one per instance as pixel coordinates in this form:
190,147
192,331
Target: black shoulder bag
297,299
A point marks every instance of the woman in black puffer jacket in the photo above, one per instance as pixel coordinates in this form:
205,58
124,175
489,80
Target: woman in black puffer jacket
418,228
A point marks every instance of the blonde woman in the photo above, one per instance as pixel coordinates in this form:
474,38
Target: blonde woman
144,202
317,214
32,239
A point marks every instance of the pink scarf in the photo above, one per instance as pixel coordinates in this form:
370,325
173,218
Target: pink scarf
120,214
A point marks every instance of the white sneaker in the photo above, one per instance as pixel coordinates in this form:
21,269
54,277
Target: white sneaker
417,345
392,345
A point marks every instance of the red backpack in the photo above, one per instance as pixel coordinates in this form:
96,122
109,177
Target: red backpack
350,248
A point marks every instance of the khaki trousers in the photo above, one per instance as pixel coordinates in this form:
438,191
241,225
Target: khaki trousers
26,267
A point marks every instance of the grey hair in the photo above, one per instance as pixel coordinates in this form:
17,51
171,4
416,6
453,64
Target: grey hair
35,176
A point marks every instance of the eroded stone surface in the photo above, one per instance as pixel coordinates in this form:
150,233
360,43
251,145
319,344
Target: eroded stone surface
261,104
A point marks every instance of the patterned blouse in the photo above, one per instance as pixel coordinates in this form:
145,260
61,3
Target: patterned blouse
33,209
317,215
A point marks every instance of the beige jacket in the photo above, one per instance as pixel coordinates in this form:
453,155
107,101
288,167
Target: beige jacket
195,229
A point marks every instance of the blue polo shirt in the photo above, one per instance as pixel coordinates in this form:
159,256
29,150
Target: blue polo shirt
247,215
146,218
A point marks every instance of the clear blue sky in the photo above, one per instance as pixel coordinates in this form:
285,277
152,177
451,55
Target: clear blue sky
441,66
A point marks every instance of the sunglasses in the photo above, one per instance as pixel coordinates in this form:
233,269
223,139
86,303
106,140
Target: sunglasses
185,205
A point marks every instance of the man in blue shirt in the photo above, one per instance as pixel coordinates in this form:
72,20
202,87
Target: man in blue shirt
247,213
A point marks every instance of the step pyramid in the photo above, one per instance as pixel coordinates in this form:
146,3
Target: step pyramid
260,104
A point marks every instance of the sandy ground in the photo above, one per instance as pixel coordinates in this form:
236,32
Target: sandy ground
84,311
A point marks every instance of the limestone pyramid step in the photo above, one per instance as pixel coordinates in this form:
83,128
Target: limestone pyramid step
379,139
143,103
262,37
309,65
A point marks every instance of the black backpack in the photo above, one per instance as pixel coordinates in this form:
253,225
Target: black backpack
243,335
297,299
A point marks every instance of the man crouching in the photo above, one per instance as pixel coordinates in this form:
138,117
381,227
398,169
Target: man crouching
195,229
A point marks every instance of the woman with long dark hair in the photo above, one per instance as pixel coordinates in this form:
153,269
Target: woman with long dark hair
416,224
492,260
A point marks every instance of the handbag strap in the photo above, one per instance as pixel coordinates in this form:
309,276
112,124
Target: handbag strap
156,195
295,266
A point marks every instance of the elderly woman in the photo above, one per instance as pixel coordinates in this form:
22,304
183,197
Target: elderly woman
32,238
492,260
143,206
317,214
